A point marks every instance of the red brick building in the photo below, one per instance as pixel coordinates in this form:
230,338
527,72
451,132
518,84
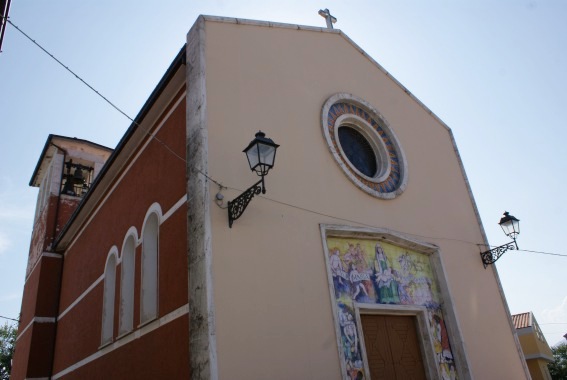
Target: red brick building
122,213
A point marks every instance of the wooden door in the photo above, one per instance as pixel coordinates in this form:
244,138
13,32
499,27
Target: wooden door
392,347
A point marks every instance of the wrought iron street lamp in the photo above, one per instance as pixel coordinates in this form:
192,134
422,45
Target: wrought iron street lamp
261,154
511,227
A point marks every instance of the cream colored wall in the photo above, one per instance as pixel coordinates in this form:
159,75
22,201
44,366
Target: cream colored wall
532,346
272,303
529,344
538,369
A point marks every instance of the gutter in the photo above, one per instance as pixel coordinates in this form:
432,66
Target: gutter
59,193
58,302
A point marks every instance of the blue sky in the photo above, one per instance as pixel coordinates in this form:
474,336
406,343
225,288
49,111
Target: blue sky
494,71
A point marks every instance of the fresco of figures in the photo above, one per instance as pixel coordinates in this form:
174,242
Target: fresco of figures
372,272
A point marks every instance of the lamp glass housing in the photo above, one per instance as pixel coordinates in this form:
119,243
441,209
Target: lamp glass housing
510,225
261,154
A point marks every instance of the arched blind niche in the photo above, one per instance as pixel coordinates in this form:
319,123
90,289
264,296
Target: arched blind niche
149,284
127,285
108,298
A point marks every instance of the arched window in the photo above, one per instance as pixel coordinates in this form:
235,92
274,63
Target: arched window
127,283
149,291
108,297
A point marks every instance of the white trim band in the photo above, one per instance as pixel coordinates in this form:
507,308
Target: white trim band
126,339
540,356
36,320
85,293
43,254
174,208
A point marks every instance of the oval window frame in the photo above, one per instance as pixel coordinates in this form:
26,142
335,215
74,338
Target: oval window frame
343,109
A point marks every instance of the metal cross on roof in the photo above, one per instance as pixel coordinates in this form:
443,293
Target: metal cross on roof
328,17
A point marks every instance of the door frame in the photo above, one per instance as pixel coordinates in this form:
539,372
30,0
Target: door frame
424,333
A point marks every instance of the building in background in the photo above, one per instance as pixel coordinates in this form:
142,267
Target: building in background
534,346
361,259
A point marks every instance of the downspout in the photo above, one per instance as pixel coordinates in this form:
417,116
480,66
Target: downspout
59,193
58,301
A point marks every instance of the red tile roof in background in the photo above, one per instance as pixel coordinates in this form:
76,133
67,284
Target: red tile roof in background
522,320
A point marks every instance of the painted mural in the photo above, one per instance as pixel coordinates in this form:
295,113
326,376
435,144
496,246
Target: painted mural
372,272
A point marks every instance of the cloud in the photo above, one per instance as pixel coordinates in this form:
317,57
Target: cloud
553,323
557,314
4,243
16,203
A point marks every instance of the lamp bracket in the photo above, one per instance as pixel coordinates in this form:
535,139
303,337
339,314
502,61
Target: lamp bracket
491,256
237,206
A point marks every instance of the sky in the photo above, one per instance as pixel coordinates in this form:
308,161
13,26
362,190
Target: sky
495,71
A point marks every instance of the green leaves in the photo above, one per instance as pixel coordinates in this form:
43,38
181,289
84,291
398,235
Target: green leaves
7,344
558,368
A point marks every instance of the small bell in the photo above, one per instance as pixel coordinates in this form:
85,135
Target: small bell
78,178
68,188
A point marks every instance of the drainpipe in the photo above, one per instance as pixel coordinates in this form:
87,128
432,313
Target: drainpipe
59,193
57,303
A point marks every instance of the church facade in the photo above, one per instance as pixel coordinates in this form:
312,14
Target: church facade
360,261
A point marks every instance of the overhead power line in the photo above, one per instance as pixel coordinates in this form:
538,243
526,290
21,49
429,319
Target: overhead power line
553,323
543,253
93,89
11,319
69,70
217,182
366,224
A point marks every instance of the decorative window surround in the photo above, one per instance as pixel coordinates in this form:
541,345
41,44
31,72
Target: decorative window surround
347,110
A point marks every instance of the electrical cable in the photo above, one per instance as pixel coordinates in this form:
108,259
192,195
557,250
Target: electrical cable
11,319
218,183
543,253
69,70
366,224
93,89
553,323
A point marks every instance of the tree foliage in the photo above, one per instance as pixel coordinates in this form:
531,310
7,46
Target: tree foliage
558,368
7,343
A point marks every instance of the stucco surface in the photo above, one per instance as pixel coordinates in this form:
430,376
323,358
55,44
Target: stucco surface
273,313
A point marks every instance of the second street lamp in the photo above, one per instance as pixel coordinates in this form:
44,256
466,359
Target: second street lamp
511,227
